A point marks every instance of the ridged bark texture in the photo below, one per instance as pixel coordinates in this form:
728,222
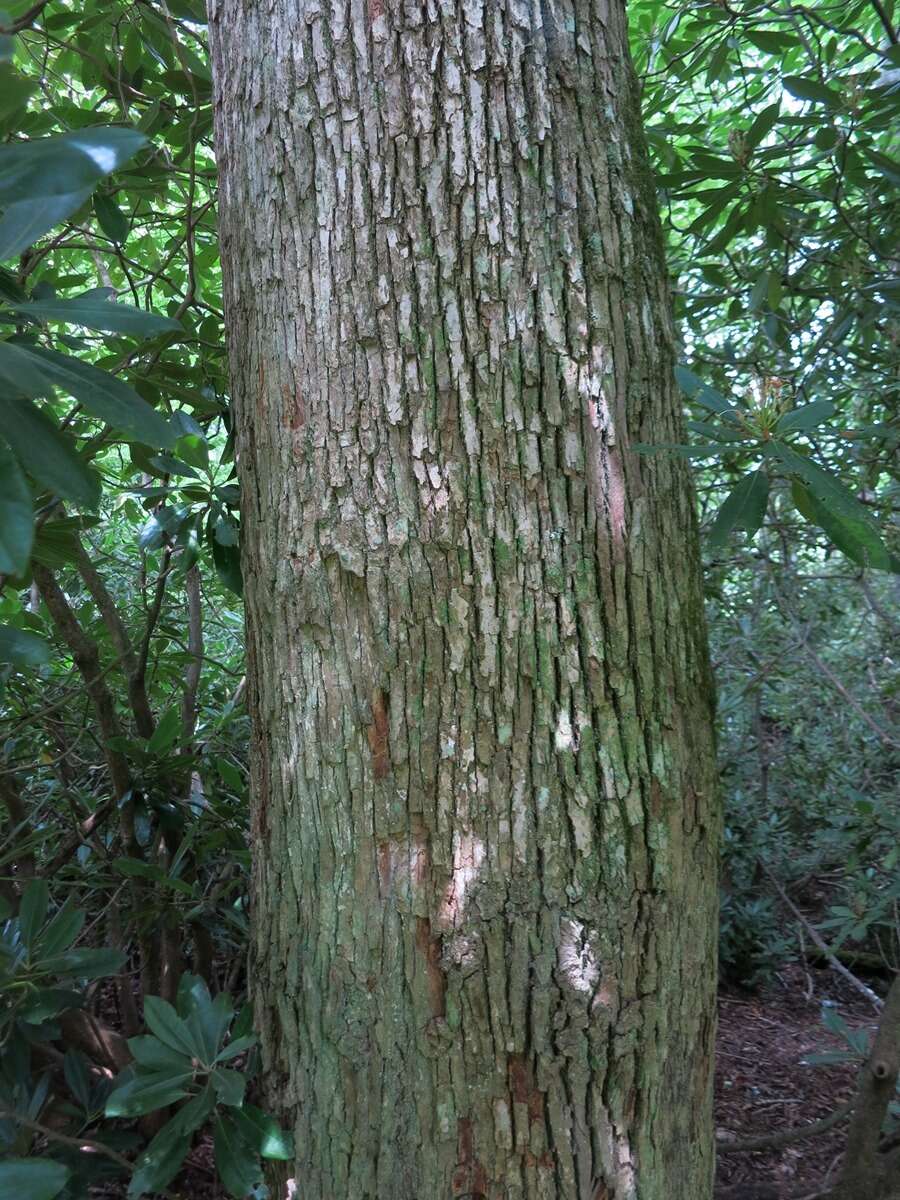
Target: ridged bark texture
484,813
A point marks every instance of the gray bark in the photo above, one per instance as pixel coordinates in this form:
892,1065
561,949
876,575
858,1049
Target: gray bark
484,816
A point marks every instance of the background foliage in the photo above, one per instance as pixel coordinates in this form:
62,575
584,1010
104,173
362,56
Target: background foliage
124,856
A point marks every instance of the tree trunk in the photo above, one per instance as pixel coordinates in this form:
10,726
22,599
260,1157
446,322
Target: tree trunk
484,816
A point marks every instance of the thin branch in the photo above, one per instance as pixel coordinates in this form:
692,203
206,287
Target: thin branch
784,1137
833,960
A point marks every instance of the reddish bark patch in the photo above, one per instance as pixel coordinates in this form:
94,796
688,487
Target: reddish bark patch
545,1161
470,1177
259,821
377,734
522,1087
261,396
376,10
429,947
656,798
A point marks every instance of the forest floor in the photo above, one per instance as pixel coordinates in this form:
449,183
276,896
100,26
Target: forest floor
764,1088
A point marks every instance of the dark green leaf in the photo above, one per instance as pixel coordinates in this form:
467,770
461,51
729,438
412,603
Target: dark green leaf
163,1020
820,483
744,509
238,1168
207,1019
25,221
167,730
16,515
694,387
227,560
22,648
99,314
145,1094
160,1162
112,220
262,1133
807,417
33,910
78,1077
46,453
62,930
87,963
45,1003
858,539
237,1046
69,163
770,41
229,1086
34,1178
104,396
14,90
134,868
762,125
806,88
155,1055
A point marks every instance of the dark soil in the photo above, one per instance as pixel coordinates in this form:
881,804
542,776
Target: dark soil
763,1087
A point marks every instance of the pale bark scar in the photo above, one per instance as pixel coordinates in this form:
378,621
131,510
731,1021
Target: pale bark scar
468,856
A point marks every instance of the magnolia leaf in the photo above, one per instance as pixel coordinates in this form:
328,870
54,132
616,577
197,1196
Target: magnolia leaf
744,509
16,515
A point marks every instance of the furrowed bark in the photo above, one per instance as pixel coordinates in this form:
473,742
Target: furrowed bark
484,817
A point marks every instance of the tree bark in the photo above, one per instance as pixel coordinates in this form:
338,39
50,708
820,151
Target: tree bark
484,815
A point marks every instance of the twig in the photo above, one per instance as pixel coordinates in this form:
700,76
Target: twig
785,1136
834,961
77,1142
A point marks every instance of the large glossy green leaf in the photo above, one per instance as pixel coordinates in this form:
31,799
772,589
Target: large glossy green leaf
167,730
821,483
155,1055
32,1178
56,166
62,929
207,1018
88,963
33,910
112,220
104,396
229,1086
99,314
808,416
146,1093
14,90
694,387
22,648
745,508
16,515
163,1021
237,1164
858,539
78,1077
227,561
262,1133
21,373
47,453
160,1162
25,221
804,87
